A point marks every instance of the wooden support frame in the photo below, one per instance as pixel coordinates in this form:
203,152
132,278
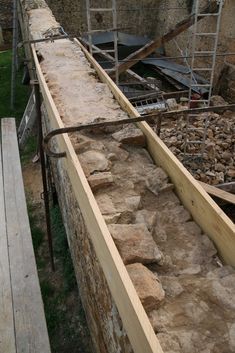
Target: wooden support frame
150,47
221,194
133,315
204,210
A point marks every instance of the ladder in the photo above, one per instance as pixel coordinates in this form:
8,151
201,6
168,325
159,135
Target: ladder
112,11
195,137
27,122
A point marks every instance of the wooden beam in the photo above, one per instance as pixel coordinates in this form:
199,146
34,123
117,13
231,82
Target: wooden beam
7,332
109,57
204,210
132,313
229,187
150,47
221,194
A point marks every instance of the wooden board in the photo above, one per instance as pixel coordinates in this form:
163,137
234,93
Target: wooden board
204,210
30,325
221,194
133,315
7,334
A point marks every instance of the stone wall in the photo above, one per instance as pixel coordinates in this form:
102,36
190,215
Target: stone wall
135,16
104,322
173,11
6,14
5,21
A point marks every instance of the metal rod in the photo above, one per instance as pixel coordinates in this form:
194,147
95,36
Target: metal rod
14,55
144,117
78,128
48,39
44,174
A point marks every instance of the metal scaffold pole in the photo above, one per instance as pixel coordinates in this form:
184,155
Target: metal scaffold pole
14,54
196,136
112,10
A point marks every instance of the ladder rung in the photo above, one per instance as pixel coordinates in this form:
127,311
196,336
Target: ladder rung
208,14
206,34
103,51
200,85
102,30
101,9
195,155
194,129
194,142
204,52
199,100
201,69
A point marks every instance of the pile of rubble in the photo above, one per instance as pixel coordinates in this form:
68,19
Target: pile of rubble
218,164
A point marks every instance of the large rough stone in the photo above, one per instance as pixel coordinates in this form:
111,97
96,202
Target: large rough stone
135,243
94,161
130,135
171,286
157,181
147,217
147,285
100,180
133,202
106,205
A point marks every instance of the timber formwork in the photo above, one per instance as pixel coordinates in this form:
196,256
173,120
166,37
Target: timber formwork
116,317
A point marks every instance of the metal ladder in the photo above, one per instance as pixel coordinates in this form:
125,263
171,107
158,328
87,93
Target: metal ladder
28,121
113,12
190,139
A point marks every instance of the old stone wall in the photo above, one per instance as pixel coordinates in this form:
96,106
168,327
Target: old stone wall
172,11
107,332
5,21
135,16
6,14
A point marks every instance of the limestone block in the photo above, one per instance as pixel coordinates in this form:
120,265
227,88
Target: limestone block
100,180
130,135
135,243
147,285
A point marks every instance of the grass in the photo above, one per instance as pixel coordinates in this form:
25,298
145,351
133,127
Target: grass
22,92
21,98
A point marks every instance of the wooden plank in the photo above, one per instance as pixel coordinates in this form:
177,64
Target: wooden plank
109,57
204,210
221,194
133,315
30,325
7,333
150,47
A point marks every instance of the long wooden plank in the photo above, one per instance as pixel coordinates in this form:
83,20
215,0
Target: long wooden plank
30,324
133,315
204,210
7,332
221,194
150,47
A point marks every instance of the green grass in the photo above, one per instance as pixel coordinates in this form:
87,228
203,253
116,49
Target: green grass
61,250
22,92
21,99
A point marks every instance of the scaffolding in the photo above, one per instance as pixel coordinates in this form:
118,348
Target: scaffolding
112,10
196,136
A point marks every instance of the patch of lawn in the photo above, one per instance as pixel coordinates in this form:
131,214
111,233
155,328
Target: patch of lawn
22,92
